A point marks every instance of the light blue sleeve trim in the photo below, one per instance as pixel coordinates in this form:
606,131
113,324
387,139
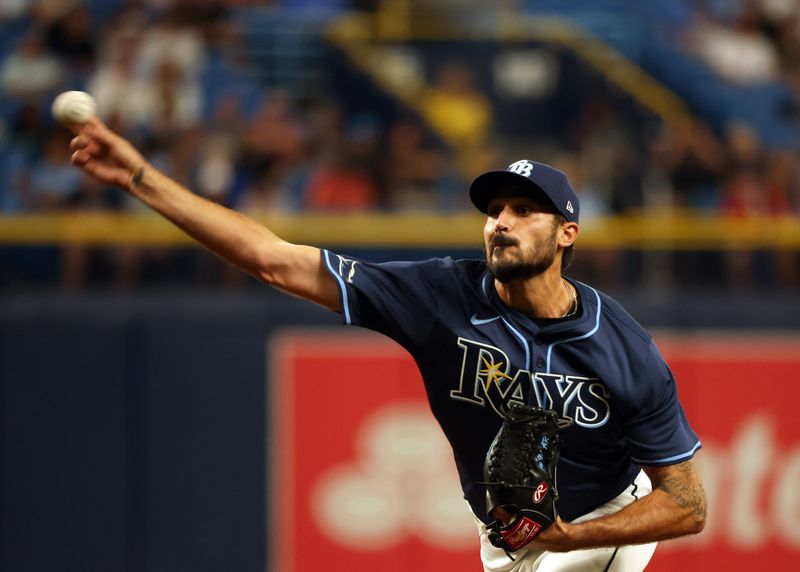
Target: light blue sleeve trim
342,288
588,334
669,459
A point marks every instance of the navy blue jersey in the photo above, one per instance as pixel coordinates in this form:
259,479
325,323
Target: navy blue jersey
475,354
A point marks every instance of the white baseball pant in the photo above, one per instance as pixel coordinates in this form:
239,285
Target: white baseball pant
631,558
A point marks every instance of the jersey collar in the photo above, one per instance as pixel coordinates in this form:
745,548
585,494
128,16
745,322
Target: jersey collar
582,325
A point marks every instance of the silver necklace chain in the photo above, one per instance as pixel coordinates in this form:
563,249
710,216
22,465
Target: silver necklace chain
573,306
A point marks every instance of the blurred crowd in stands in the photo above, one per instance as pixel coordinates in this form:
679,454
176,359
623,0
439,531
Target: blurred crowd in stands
748,42
751,41
146,62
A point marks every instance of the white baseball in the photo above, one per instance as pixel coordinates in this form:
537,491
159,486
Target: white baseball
74,108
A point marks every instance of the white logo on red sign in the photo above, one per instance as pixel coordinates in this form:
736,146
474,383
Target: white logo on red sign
400,483
540,492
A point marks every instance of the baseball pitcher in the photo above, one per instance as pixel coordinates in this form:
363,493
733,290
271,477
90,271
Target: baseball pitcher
572,446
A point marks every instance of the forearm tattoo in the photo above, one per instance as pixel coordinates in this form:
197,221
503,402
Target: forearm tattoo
686,489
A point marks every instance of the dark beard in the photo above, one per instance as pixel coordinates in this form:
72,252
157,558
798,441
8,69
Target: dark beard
506,272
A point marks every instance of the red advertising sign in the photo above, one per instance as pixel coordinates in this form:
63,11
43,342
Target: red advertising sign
367,481
741,395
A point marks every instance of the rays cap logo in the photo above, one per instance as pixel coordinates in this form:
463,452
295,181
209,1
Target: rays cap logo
528,175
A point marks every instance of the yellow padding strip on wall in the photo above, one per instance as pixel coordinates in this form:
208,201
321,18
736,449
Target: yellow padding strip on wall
654,232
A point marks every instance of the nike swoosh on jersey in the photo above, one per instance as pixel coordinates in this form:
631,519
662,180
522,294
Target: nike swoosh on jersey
476,321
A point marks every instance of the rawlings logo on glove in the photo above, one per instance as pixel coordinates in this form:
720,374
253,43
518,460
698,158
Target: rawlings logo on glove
520,473
538,494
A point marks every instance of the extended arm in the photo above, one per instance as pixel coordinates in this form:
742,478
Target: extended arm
675,507
236,238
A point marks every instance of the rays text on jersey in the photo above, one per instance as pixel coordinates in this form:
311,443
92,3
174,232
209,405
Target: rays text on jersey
487,376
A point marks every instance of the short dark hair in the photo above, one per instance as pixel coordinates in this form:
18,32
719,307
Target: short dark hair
569,252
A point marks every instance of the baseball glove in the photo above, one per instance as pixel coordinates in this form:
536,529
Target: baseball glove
520,475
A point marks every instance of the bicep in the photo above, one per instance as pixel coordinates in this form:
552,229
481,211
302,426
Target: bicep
299,270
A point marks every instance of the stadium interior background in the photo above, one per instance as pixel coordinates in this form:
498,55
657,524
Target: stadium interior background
135,367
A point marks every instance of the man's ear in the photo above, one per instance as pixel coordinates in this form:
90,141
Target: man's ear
567,233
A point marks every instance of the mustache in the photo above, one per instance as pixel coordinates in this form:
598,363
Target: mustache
502,240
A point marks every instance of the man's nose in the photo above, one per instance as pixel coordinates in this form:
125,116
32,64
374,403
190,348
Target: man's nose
503,220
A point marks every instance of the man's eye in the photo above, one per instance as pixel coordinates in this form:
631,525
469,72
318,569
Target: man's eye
524,210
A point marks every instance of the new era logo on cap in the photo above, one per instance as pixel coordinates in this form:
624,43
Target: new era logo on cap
526,174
